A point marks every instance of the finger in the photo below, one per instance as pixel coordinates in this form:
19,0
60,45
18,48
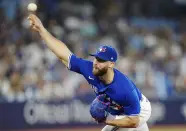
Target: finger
33,17
35,28
31,26
30,17
31,23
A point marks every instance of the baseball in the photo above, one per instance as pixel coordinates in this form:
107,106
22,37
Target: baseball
32,7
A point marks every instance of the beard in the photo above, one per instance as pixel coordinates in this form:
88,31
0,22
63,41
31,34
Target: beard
99,72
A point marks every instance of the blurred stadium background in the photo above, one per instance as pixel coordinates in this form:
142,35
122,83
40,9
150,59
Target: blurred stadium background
37,93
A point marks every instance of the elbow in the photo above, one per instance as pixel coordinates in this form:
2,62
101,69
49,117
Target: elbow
134,124
127,122
131,124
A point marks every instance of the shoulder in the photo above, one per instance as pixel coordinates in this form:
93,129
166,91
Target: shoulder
79,65
124,80
119,75
78,60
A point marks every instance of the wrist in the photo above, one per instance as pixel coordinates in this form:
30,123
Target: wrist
42,30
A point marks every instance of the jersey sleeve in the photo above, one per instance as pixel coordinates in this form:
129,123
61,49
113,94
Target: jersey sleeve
133,109
78,65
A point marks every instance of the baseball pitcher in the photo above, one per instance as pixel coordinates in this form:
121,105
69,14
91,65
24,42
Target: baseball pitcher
119,103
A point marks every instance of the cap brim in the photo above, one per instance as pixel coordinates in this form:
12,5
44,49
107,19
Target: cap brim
92,54
96,56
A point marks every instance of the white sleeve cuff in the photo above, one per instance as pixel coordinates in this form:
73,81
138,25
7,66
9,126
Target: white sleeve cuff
69,59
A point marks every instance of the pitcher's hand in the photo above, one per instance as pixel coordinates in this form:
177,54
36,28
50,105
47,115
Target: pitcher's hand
35,23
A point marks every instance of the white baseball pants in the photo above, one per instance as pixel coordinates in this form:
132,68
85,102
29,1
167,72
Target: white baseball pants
144,116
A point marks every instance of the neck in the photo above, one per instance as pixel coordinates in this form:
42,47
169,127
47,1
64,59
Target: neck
108,77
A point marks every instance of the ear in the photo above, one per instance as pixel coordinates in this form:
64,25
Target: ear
111,64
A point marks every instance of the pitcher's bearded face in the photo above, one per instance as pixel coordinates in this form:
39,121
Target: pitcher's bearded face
100,67
99,72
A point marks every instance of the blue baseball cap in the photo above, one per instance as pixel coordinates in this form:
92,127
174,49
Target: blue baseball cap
106,53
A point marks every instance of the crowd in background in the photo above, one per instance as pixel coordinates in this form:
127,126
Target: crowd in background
152,50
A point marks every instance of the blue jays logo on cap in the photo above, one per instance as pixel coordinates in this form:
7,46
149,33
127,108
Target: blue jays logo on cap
106,53
102,49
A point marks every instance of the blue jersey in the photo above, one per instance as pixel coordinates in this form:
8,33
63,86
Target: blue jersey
122,92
